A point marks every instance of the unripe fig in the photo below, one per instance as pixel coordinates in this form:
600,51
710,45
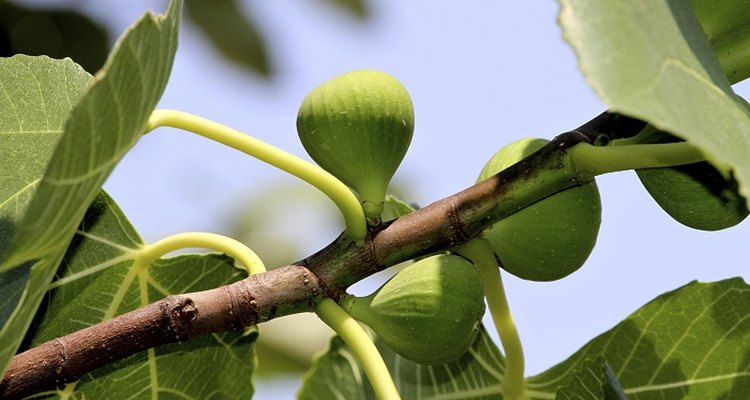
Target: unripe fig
429,312
551,238
695,195
358,127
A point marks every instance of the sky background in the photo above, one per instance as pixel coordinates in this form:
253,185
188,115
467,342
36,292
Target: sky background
481,74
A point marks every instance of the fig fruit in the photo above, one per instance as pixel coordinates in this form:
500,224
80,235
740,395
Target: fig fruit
429,312
358,126
695,195
551,238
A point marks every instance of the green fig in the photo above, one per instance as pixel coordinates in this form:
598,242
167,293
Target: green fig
429,312
358,127
551,238
695,195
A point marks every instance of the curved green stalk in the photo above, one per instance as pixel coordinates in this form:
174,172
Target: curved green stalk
597,160
151,252
342,196
478,251
361,345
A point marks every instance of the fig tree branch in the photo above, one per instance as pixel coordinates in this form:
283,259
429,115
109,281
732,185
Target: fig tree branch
296,288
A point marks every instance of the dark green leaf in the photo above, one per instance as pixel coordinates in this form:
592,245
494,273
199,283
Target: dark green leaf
56,33
232,31
358,8
593,380
612,388
690,343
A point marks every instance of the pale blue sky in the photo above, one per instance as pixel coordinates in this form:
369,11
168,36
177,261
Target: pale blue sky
481,74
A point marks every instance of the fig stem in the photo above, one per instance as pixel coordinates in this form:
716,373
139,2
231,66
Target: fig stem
361,345
234,248
480,253
597,160
337,191
148,253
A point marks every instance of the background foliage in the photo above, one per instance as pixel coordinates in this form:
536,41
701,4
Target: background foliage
627,235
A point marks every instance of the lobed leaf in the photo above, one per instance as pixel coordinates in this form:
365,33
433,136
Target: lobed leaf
651,60
97,280
477,375
690,343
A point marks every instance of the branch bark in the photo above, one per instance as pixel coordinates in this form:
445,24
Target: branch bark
297,288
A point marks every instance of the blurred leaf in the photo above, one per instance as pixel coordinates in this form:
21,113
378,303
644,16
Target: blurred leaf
97,280
41,92
274,362
55,33
357,8
232,32
476,375
288,345
277,221
690,343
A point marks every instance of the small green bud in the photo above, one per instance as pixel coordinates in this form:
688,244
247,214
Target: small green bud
429,312
358,127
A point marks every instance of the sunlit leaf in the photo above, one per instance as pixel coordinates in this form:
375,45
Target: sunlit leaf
651,60
103,125
690,343
40,92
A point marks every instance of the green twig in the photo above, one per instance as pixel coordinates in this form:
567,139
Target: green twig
338,192
479,252
597,160
361,345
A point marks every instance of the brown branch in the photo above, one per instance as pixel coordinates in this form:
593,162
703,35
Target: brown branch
256,299
296,288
